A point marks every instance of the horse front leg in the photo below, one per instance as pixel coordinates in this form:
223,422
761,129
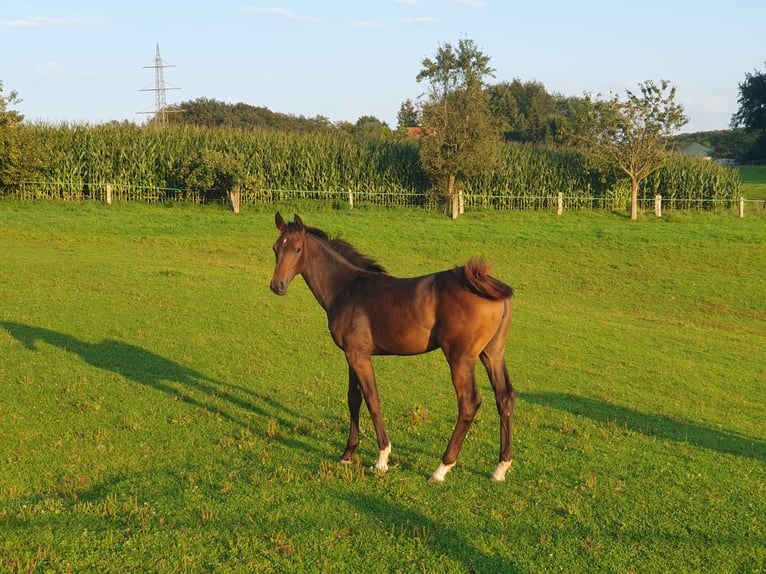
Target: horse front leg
354,404
361,366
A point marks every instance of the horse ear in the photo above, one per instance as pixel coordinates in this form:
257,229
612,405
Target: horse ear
279,220
298,222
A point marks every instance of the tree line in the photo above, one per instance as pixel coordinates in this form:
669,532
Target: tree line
528,113
462,125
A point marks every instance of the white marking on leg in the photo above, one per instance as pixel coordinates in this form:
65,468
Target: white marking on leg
441,472
382,464
499,474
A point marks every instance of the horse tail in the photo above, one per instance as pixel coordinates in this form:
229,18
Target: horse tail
476,278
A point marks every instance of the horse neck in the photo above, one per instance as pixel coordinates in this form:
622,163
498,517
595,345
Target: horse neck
326,272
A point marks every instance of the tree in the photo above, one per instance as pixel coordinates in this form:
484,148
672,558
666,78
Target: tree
216,175
752,108
9,117
631,135
456,119
505,107
212,113
407,116
527,111
21,155
370,128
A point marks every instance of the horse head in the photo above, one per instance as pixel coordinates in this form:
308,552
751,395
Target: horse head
289,251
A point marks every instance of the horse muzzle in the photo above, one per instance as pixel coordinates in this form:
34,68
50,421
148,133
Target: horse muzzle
279,286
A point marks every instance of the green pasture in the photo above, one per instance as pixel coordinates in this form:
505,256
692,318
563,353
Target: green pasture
753,181
163,411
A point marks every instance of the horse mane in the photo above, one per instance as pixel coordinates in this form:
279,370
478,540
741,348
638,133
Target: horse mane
348,252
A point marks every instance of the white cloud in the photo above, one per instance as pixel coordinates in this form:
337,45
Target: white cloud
368,24
281,13
48,22
49,69
473,3
421,20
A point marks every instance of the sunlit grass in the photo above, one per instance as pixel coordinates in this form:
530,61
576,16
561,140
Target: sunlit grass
162,410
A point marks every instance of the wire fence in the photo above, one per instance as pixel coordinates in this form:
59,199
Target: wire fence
79,191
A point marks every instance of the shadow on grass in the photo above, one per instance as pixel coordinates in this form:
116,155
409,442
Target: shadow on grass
682,431
440,538
147,368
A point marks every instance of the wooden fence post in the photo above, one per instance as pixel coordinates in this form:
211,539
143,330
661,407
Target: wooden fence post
658,205
350,199
234,197
742,207
560,208
109,193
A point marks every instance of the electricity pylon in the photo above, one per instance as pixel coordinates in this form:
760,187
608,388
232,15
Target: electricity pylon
159,89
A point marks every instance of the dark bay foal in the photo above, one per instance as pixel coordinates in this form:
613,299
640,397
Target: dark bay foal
463,311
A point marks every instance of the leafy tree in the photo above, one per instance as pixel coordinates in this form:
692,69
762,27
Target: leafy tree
456,118
214,175
370,127
503,103
527,111
570,109
407,116
21,154
752,108
631,135
208,112
9,117
366,128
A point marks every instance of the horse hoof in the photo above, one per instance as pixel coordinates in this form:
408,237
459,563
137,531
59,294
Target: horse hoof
382,465
345,461
441,472
499,474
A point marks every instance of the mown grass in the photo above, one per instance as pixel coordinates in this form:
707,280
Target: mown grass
163,411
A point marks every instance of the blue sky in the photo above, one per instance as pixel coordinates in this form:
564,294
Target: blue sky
83,61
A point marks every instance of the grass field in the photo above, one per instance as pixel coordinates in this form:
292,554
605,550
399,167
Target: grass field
753,179
163,411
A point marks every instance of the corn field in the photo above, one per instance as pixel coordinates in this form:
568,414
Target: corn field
690,183
146,164
531,178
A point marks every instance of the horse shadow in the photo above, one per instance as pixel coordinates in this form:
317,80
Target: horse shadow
437,536
146,368
681,431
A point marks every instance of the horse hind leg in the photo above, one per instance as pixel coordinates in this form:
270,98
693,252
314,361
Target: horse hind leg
469,401
494,362
354,405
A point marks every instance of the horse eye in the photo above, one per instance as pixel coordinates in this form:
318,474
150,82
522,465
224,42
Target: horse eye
297,249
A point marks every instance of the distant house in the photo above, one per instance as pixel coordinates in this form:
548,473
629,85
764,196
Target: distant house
698,150
417,131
